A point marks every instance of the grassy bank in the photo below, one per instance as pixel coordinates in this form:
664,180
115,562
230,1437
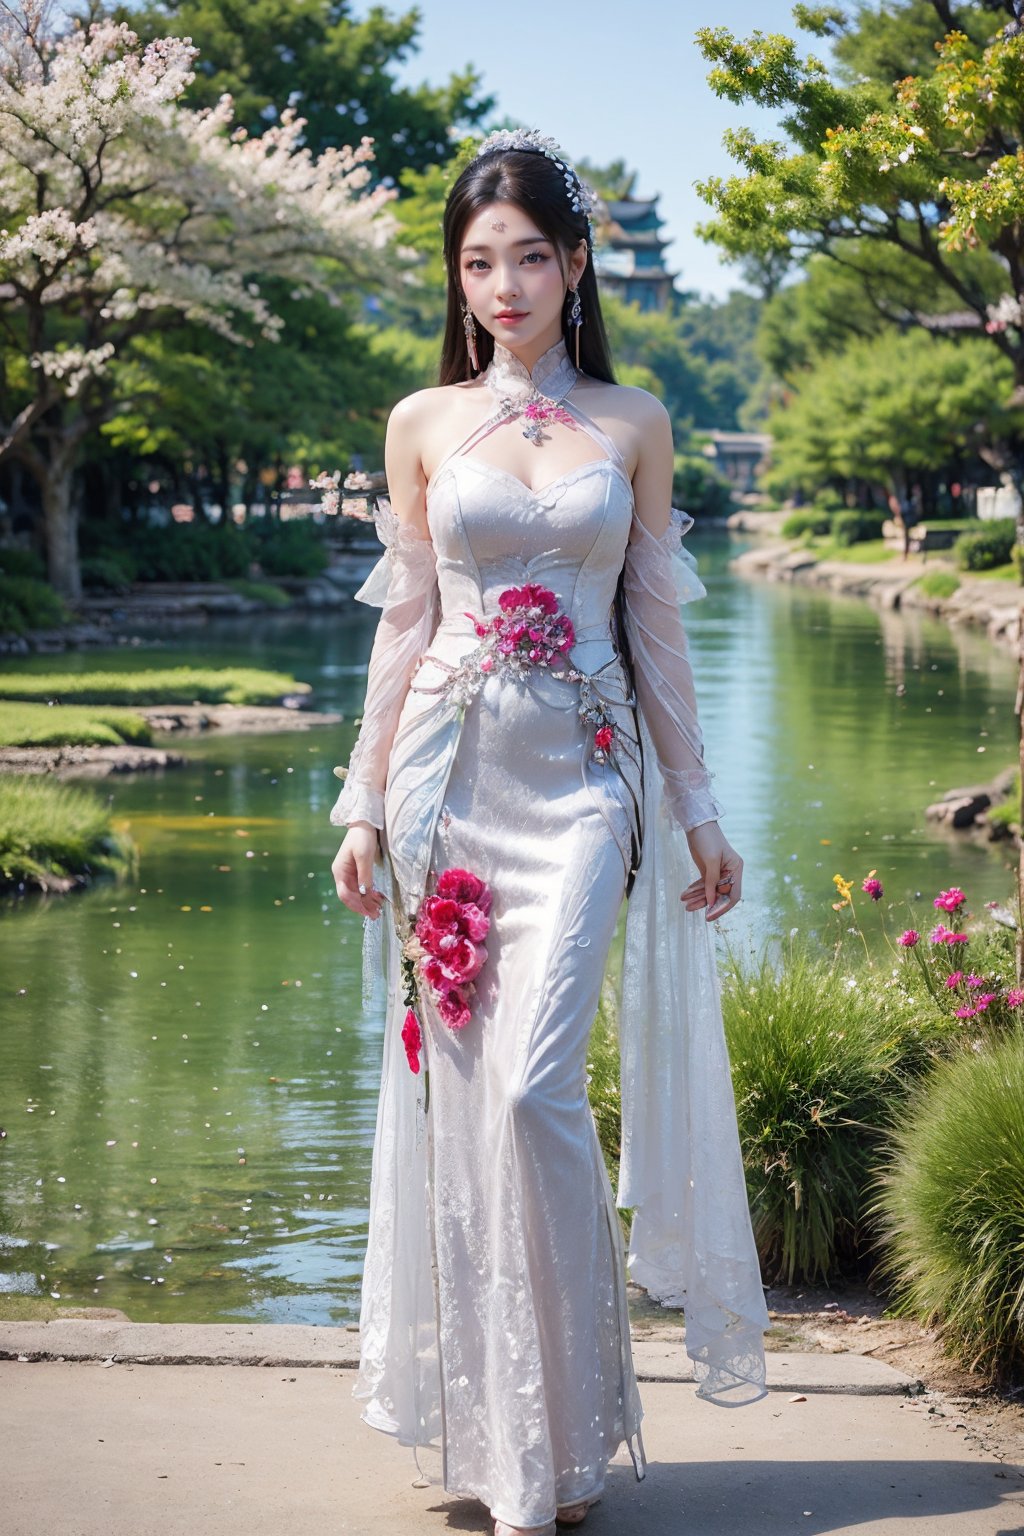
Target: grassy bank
169,685
61,725
53,836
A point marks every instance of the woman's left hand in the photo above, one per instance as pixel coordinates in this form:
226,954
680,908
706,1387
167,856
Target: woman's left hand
719,884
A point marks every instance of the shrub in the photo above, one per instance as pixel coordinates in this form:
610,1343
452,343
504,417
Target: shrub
262,592
951,1207
938,583
987,546
15,561
189,552
816,1060
856,527
27,603
111,572
51,833
288,549
804,522
1006,815
828,500
697,486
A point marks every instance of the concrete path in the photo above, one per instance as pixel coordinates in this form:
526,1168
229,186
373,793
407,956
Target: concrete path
101,1443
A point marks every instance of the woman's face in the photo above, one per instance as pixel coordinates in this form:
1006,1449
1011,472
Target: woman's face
513,281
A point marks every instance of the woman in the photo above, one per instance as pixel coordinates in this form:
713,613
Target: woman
529,755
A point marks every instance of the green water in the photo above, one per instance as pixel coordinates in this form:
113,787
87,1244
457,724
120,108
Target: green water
187,1084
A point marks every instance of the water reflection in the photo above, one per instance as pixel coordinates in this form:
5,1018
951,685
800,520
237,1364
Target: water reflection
187,1082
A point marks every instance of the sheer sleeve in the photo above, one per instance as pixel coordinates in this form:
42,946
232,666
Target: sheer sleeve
403,584
659,575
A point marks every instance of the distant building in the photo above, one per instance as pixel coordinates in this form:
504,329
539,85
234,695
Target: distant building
739,456
628,255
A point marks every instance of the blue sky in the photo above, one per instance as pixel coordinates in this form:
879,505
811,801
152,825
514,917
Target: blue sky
613,79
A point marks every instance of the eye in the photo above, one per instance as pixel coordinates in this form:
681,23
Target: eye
535,257
475,263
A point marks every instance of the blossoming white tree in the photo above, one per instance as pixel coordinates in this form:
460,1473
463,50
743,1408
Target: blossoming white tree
124,213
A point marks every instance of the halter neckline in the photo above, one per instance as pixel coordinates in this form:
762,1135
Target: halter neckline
553,374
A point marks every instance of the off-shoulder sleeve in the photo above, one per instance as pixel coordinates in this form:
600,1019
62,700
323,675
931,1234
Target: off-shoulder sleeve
660,575
403,584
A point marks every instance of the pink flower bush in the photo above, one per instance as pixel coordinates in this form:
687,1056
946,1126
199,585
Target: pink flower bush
940,934
956,990
451,927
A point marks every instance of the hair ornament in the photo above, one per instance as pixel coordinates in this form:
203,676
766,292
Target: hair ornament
582,198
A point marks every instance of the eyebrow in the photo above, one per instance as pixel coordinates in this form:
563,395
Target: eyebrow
530,240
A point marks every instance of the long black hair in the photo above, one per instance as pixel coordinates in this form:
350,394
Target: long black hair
533,183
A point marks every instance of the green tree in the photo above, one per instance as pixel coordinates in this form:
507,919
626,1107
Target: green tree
127,216
882,410
929,166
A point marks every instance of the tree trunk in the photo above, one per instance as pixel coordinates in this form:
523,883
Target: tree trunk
60,515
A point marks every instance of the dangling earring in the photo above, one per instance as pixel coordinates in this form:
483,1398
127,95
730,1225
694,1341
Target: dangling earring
576,319
469,326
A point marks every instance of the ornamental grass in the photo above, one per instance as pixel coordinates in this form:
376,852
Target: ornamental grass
949,1204
817,1060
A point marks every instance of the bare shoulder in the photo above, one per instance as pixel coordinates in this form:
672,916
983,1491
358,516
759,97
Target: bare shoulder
427,417
634,404
425,403
420,407
417,425
634,419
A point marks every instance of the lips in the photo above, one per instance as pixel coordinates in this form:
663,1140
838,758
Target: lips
511,314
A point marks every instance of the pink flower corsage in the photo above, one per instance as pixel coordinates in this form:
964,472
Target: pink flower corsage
537,415
451,927
448,949
528,631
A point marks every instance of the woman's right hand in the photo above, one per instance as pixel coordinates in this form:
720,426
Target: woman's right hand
353,867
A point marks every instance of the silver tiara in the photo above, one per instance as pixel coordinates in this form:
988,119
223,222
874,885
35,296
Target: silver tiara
582,198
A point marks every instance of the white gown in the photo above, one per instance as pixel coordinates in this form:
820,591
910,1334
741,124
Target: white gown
493,1325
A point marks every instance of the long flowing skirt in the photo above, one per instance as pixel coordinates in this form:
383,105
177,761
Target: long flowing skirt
521,1371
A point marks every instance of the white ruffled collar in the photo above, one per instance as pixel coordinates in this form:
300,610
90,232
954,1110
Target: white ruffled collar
553,374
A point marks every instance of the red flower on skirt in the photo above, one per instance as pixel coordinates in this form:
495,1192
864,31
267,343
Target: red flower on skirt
451,926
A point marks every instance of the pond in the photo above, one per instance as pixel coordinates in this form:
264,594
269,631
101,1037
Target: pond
187,1082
